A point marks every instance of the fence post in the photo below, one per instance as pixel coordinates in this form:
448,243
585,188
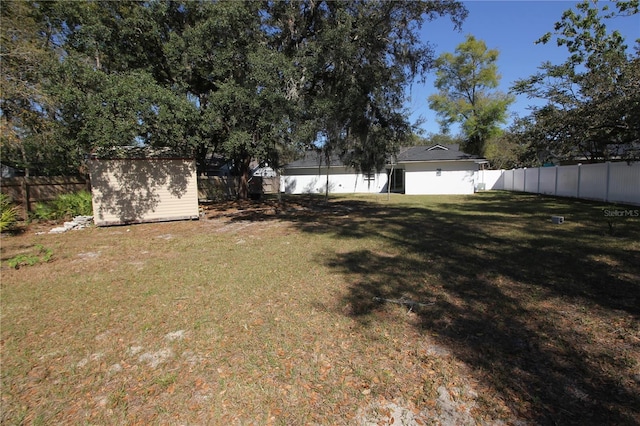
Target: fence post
579,173
26,196
538,190
606,193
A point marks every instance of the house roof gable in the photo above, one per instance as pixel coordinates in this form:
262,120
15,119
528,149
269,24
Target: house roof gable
423,153
442,147
435,153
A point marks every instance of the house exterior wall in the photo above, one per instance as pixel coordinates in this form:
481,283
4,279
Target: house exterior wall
492,179
342,180
143,190
455,177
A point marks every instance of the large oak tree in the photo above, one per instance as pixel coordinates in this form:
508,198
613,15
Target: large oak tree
247,80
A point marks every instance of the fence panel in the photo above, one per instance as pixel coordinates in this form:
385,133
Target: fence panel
518,180
548,180
508,180
593,181
531,180
27,191
624,183
567,181
614,182
217,187
492,179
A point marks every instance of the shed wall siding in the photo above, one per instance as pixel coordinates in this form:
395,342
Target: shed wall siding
149,190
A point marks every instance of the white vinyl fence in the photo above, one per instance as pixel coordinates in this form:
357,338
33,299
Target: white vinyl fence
610,182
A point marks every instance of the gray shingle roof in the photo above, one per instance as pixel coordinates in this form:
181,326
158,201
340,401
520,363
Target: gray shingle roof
434,153
314,159
414,153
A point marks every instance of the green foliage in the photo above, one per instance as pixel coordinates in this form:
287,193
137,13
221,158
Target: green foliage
8,212
41,255
26,126
248,80
593,98
65,206
443,139
466,80
505,151
355,61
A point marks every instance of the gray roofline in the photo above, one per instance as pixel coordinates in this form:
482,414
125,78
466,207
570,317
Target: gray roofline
475,160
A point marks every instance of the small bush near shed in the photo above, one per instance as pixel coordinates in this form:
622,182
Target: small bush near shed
65,206
8,212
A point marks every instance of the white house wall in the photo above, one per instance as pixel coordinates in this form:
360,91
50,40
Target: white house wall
455,178
341,181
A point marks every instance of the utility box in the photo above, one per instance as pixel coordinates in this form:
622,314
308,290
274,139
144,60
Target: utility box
557,219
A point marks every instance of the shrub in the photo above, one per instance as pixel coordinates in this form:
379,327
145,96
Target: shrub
65,206
43,211
8,213
42,254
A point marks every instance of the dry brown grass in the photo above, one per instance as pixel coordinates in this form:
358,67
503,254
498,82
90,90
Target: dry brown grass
265,314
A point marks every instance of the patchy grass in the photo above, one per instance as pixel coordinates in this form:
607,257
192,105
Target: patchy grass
446,310
39,254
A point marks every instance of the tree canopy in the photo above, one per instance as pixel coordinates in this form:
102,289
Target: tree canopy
593,99
247,80
466,81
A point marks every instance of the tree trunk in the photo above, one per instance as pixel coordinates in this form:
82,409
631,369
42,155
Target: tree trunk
389,183
243,190
326,188
25,188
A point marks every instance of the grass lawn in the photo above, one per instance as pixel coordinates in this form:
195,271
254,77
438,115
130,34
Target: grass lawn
432,310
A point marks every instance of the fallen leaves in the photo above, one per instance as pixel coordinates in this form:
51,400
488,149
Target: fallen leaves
268,333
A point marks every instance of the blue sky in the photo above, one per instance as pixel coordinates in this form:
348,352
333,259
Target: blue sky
512,27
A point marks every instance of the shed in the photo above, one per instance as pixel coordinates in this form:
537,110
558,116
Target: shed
136,185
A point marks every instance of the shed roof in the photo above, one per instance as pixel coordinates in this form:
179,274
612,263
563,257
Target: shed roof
128,152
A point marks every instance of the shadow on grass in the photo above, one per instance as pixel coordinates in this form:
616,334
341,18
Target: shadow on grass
505,287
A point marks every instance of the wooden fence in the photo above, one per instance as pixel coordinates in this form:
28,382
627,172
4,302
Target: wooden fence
216,188
27,191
